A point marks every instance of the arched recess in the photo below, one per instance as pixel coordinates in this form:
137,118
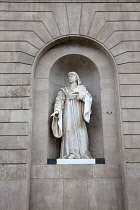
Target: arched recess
50,61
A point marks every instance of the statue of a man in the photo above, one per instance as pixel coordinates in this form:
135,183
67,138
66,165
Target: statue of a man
71,110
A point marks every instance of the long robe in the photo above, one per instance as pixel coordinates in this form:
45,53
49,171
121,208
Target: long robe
74,110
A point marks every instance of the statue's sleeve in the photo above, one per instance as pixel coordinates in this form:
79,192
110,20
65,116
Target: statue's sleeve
85,96
57,122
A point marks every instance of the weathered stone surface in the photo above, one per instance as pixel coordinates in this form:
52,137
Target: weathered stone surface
130,90
112,156
129,68
76,171
105,193
7,68
133,192
128,102
15,103
15,115
75,194
74,13
13,172
39,157
131,127
13,195
131,141
14,129
132,155
15,79
106,170
15,91
46,194
129,79
45,171
133,170
131,115
14,142
13,156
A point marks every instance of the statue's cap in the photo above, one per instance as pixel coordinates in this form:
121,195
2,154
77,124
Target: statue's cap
78,78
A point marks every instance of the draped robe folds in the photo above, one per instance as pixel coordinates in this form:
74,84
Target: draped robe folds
74,110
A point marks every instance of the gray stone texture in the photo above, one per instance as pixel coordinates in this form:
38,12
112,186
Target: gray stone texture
102,43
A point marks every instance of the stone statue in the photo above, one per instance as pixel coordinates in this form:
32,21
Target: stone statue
71,110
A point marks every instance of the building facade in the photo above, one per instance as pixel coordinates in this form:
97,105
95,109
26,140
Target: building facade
41,41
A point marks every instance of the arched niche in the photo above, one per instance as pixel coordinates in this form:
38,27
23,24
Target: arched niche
97,74
89,76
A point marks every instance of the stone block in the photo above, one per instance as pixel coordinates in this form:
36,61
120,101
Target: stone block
129,79
8,68
133,170
133,193
14,129
41,95
131,115
119,36
110,131
39,33
42,72
40,131
131,128
39,143
109,119
111,143
76,171
105,193
107,94
15,91
131,141
16,57
112,156
129,68
15,115
14,142
39,157
29,36
45,171
125,46
106,170
107,83
128,57
128,102
15,79
88,11
129,90
46,194
14,195
75,194
42,84
51,25
18,46
13,172
132,155
108,106
60,15
74,14
15,103
13,156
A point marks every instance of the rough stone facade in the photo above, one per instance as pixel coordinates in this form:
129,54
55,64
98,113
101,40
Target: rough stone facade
37,40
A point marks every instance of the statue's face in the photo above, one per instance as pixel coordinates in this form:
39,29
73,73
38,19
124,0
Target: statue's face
72,78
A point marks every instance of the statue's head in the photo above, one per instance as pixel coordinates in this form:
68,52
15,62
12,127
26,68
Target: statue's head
73,76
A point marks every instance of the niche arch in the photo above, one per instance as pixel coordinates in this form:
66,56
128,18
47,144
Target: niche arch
43,142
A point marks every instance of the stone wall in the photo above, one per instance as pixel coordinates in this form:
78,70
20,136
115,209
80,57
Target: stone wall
28,30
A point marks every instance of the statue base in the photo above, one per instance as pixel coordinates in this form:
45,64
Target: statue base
75,161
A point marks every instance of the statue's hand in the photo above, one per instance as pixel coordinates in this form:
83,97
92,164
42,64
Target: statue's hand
55,114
